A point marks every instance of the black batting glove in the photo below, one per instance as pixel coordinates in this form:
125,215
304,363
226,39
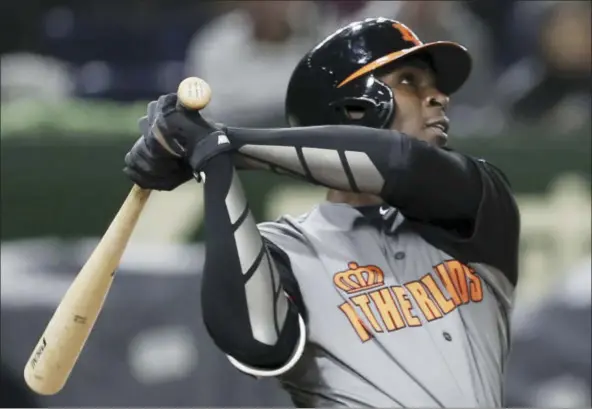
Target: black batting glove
187,134
148,164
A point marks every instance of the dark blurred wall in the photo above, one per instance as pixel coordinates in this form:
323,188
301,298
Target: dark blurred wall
13,392
140,354
122,51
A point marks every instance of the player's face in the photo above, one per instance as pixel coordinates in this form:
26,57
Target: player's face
420,107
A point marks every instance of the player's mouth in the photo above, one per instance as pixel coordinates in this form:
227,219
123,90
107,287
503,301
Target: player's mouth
439,129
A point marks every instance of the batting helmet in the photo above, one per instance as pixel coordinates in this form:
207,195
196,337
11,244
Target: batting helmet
339,74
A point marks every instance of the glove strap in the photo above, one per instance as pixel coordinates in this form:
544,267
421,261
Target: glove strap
212,145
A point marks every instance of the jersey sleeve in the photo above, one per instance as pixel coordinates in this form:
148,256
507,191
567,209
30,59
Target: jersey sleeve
493,236
282,239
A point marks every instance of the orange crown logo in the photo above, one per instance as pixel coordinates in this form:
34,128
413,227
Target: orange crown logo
358,278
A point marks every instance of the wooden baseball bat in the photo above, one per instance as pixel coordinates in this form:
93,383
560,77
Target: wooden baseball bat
60,345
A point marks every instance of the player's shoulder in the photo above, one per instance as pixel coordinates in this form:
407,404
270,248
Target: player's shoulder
285,225
497,228
287,231
491,170
496,183
497,189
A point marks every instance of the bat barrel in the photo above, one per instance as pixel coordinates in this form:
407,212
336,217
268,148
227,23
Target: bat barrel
58,349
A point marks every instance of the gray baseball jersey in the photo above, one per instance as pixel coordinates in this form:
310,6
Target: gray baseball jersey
393,320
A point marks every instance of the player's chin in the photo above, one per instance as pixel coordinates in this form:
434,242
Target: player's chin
435,136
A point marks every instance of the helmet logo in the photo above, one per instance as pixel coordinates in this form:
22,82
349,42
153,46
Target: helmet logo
373,65
407,34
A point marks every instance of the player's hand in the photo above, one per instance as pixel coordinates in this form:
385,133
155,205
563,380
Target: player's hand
187,134
151,166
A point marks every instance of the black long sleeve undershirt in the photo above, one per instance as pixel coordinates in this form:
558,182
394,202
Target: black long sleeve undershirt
253,323
423,181
455,199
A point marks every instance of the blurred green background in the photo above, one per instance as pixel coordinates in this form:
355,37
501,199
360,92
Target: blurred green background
61,171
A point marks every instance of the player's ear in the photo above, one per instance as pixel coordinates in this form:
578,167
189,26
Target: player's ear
355,113
351,109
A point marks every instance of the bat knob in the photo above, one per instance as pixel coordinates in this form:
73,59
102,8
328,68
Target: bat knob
194,93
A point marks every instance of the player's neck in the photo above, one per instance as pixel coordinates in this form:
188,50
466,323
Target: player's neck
353,199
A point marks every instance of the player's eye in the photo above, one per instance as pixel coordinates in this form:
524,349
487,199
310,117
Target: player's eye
408,79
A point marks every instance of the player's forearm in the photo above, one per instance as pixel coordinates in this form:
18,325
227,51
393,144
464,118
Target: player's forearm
244,307
423,181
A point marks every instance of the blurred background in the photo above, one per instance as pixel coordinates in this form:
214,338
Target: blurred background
76,76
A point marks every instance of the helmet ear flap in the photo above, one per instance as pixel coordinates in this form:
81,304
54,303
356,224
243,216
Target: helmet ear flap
352,111
389,107
369,105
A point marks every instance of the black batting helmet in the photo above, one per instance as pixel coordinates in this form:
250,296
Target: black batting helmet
338,75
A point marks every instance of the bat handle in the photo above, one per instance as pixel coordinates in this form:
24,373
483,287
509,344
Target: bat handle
193,94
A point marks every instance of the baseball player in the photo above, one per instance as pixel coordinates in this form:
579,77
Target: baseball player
395,291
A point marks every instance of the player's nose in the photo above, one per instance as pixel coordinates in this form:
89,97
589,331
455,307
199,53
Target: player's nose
436,99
